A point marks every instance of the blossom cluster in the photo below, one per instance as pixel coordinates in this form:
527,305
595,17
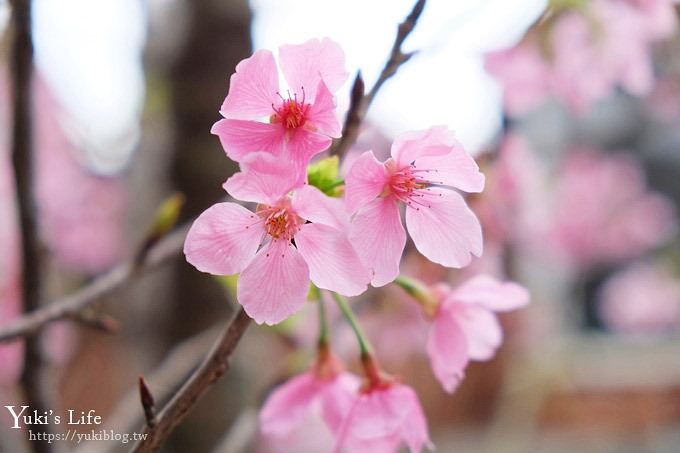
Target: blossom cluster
301,236
582,51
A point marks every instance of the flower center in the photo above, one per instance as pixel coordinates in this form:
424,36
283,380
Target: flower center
280,221
291,113
411,185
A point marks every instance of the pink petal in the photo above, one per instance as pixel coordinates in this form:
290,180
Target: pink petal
337,398
481,329
436,141
447,349
313,205
380,412
304,65
301,146
275,283
455,169
445,230
252,88
380,419
379,238
364,182
321,113
288,404
415,431
333,263
264,178
223,239
487,292
239,138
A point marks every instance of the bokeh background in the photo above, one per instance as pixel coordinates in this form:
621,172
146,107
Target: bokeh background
572,108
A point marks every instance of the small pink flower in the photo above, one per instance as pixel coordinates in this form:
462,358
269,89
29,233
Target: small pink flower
291,403
381,418
424,167
301,121
278,248
465,325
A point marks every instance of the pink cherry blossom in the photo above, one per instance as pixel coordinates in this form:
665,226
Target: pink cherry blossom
643,298
301,121
82,214
383,417
659,16
525,75
278,248
11,354
291,403
424,168
595,219
582,54
465,326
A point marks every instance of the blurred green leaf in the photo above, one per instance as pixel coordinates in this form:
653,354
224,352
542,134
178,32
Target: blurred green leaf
324,175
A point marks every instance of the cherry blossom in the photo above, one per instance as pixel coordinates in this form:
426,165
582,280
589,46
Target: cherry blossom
299,122
291,403
424,168
381,418
597,220
465,326
580,55
277,249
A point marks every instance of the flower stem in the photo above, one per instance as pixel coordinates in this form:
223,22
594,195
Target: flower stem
323,319
364,345
419,292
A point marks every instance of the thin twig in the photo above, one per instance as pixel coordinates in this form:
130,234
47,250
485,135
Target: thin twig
360,102
148,403
33,374
73,304
213,367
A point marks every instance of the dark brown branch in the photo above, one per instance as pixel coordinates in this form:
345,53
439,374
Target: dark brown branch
73,304
21,63
213,367
148,403
360,102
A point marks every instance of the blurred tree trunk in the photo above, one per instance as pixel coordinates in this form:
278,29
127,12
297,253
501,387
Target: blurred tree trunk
218,37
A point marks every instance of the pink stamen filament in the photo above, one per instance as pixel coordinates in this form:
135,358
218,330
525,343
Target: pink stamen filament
291,113
410,186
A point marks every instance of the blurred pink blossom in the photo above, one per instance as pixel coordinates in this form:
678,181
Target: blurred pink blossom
381,418
643,298
580,55
602,211
82,214
525,75
300,125
10,293
290,404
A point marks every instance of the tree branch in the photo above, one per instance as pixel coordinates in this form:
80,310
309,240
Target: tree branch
213,367
360,102
21,68
73,304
